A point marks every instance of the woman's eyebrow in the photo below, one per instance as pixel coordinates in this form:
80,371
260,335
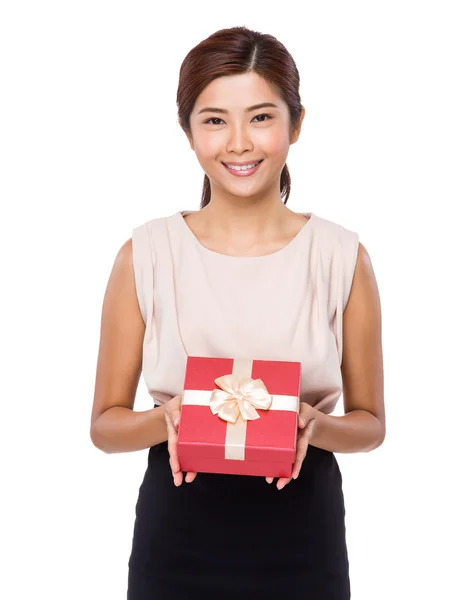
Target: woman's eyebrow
250,109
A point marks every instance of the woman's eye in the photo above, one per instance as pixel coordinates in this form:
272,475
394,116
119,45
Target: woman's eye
263,115
213,119
218,119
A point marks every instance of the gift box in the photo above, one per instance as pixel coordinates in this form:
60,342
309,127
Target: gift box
239,416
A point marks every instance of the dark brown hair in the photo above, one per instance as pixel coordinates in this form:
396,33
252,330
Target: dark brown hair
235,51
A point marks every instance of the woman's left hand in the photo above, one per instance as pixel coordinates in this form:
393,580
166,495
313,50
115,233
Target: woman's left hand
306,426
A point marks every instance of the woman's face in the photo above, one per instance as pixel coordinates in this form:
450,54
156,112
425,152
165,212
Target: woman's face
234,134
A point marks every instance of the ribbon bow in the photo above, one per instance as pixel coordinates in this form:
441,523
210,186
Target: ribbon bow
239,396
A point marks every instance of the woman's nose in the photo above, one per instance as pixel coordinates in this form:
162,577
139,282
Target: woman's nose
239,140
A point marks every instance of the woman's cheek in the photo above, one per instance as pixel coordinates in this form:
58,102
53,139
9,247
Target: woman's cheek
274,144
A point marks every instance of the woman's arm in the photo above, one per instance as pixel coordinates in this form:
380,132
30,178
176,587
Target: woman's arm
121,429
363,426
115,426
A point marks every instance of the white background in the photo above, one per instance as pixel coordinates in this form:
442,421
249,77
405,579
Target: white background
90,147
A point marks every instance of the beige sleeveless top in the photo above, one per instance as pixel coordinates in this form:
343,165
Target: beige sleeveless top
287,305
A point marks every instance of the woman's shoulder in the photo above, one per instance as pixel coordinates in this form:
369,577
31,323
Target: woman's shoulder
151,224
334,235
329,226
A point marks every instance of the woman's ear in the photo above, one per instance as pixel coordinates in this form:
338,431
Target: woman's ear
188,134
298,127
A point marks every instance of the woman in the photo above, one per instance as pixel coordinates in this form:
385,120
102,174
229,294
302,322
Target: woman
242,277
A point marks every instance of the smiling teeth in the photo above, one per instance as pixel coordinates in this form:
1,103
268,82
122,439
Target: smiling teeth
243,168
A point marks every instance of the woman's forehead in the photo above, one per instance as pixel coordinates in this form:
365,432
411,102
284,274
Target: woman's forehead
237,93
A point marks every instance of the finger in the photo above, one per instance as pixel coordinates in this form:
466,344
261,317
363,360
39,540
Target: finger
174,462
296,469
300,455
283,481
269,479
172,450
177,475
190,477
172,435
175,469
173,466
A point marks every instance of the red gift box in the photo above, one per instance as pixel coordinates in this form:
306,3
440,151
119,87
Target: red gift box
239,416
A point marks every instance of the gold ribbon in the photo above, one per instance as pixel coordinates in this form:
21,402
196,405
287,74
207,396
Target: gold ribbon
236,402
239,396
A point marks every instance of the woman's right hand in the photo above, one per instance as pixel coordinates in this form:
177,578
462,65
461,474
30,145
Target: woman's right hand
172,410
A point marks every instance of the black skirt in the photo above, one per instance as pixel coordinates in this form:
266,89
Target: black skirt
236,537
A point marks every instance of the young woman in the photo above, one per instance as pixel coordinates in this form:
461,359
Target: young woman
243,277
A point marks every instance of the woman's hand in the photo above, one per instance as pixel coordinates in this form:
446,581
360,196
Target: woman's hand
172,410
306,424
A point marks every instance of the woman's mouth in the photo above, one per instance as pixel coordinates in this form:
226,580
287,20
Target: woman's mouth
244,170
